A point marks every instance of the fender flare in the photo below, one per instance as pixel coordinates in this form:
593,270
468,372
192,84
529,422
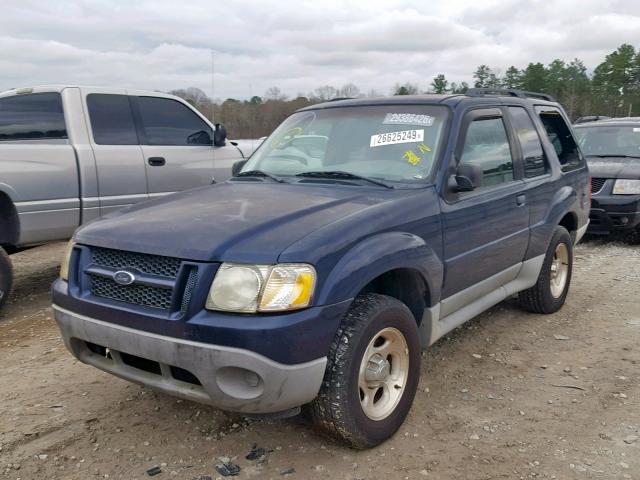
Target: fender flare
561,204
379,254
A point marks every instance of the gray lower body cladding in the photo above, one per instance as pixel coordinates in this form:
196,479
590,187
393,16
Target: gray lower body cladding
228,378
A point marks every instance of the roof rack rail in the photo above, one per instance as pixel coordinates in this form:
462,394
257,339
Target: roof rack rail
511,92
337,99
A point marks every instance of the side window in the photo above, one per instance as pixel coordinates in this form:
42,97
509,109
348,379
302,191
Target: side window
487,145
111,119
561,138
535,163
168,122
32,117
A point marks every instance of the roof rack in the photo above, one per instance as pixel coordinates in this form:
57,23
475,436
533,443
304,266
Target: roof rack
337,99
511,92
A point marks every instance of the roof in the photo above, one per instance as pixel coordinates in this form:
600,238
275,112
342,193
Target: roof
432,99
96,89
610,122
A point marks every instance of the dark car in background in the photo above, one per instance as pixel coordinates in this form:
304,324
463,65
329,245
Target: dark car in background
612,149
590,118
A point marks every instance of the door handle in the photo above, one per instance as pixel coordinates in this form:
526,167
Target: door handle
521,200
157,161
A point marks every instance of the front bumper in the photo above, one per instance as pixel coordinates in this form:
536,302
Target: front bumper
229,378
612,213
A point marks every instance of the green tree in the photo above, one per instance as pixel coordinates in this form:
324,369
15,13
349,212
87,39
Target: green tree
534,78
440,84
494,81
512,78
613,80
481,76
459,87
405,89
577,96
556,79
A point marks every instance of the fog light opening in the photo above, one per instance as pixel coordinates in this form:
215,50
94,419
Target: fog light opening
239,382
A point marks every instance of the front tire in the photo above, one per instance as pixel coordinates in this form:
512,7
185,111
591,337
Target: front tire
550,291
372,373
6,277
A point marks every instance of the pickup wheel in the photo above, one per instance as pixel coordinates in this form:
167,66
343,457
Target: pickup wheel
6,277
372,373
550,291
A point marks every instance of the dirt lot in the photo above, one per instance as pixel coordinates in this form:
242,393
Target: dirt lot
510,395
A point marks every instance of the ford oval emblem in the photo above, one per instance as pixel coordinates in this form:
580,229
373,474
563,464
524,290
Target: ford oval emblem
122,277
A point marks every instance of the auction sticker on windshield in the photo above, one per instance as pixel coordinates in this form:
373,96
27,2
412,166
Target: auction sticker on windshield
408,119
392,138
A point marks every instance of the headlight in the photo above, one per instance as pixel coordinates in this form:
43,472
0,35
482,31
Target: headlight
626,187
64,267
264,288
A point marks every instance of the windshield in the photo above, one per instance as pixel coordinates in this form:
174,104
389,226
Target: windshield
609,140
396,143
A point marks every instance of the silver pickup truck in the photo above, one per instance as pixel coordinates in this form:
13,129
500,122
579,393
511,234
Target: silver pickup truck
71,154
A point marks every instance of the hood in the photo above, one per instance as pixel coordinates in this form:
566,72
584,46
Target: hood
234,221
614,167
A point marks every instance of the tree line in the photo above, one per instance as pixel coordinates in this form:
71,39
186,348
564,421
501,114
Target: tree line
612,89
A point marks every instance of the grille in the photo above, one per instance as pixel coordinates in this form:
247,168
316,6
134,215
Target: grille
137,294
142,262
188,290
597,184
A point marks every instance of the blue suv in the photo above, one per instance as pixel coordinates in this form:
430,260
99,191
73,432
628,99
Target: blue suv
360,232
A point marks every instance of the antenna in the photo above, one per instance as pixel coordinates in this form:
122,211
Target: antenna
213,86
253,118
213,108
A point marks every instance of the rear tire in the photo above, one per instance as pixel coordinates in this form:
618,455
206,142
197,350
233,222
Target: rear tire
6,277
550,291
372,373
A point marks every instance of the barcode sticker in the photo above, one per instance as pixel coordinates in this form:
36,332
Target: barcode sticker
392,138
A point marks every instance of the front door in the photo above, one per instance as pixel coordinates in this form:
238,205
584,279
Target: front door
486,231
177,145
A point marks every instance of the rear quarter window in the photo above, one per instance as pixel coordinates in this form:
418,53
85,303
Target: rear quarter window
32,117
561,138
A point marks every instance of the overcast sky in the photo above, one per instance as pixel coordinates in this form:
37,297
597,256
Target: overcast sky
297,46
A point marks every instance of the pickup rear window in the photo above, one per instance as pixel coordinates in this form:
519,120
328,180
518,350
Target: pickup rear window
111,119
32,117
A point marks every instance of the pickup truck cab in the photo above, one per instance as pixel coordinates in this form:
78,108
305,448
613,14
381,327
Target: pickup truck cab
358,233
71,154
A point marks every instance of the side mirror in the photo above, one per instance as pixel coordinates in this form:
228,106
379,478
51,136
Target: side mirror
237,166
468,177
220,135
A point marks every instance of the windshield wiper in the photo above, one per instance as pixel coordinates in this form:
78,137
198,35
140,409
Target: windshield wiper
613,155
342,175
260,173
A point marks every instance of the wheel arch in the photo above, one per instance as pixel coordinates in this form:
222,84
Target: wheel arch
570,222
397,264
9,221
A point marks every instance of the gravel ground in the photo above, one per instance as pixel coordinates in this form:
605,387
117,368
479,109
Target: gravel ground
510,395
